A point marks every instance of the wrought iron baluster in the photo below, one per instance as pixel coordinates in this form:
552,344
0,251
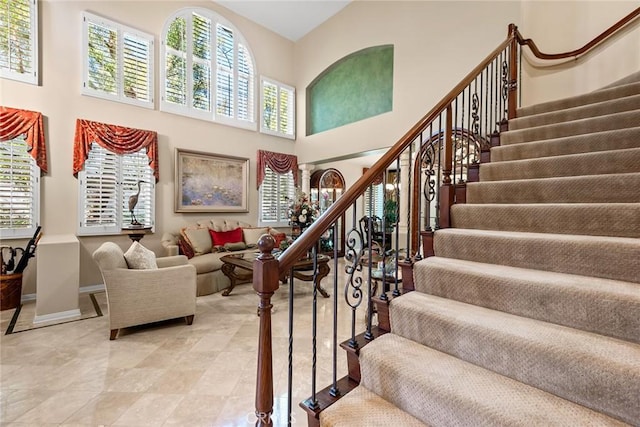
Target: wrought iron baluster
334,391
353,287
290,366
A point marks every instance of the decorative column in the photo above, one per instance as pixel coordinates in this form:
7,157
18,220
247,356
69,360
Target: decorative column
405,191
306,169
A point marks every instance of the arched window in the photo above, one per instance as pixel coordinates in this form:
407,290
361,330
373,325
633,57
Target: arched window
207,69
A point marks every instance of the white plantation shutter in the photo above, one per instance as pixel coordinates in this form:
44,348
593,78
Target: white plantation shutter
245,84
224,83
208,71
276,193
175,46
374,198
19,190
19,40
278,109
135,167
137,68
106,183
118,62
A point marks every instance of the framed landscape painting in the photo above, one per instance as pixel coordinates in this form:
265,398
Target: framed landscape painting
208,182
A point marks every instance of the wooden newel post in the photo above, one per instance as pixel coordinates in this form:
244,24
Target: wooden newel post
265,282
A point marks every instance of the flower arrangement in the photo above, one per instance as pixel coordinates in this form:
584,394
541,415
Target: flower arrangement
302,212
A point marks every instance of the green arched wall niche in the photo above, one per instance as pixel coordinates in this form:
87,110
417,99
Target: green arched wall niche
356,87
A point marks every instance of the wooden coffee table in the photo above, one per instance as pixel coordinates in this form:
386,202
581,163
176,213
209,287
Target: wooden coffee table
239,269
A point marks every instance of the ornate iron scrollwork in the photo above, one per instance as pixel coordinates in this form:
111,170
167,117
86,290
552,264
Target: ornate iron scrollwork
505,87
353,294
475,107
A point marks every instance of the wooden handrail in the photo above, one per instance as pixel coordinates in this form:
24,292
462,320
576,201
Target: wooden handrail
313,233
593,43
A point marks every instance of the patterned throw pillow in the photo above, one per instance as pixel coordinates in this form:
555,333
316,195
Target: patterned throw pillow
185,248
140,258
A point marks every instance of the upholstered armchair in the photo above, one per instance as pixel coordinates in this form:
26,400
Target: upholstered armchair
145,295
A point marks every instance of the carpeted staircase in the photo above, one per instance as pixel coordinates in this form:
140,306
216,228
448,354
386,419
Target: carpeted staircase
529,312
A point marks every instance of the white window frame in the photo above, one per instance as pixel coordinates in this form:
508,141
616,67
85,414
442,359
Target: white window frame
239,43
121,197
122,30
31,75
280,87
283,205
24,232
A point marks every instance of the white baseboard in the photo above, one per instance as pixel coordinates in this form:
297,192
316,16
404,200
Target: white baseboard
61,315
82,290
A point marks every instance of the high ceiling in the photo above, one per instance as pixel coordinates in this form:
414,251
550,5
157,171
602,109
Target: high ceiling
291,19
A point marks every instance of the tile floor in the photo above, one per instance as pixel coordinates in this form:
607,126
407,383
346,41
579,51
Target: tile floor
170,374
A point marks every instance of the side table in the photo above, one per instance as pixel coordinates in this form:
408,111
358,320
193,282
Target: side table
136,233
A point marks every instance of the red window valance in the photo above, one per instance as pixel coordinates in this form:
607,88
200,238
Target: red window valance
117,139
279,163
15,122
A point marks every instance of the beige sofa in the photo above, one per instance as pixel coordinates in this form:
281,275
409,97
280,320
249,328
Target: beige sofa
207,255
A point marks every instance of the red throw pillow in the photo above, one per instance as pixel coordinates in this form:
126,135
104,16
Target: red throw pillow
278,237
219,238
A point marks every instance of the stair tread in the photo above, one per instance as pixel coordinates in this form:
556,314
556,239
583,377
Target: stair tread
362,407
599,256
596,219
592,304
582,99
612,121
595,163
565,189
573,144
541,354
440,389
596,109
572,281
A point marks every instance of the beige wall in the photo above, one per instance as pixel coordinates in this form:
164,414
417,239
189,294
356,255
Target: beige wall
431,56
59,100
562,26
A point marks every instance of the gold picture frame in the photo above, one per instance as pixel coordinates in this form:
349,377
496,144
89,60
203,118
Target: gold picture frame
206,182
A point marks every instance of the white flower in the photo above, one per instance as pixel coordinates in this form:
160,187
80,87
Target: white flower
302,218
304,212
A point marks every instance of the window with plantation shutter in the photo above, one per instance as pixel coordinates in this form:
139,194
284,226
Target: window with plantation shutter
275,194
106,183
277,115
19,40
207,70
374,200
117,62
19,190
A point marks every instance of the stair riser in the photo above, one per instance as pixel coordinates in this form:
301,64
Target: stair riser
586,99
606,307
577,127
598,163
601,141
615,259
613,188
594,110
616,220
547,360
